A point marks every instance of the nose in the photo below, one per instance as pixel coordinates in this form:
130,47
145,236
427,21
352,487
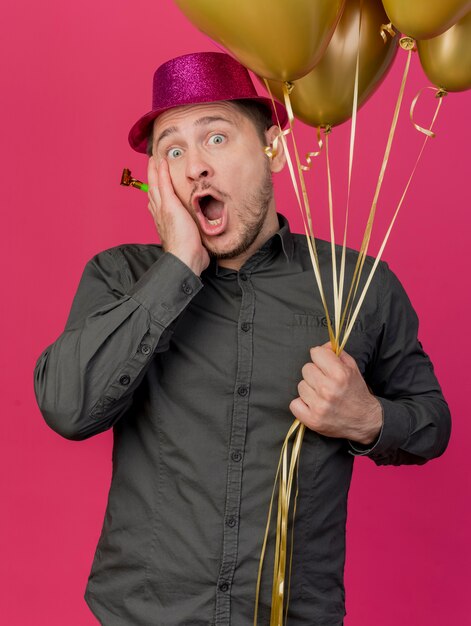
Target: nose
197,165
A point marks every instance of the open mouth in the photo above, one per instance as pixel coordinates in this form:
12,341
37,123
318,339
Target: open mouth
211,213
212,209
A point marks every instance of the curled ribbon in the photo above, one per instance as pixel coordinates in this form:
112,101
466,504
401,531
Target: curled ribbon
385,30
440,94
320,143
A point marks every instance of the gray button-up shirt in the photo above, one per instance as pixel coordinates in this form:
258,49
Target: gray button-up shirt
195,376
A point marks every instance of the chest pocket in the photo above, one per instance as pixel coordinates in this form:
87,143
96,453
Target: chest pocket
310,330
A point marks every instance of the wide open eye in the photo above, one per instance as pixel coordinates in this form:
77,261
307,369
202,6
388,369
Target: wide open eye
174,153
216,139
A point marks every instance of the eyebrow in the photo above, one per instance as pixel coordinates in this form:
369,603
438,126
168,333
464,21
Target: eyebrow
202,121
166,133
212,118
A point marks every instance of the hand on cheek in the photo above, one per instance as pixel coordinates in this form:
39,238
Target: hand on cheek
177,229
334,399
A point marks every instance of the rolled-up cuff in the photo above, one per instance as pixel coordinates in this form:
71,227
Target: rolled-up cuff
394,431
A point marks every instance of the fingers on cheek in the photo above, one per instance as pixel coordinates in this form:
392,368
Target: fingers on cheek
155,215
155,200
152,208
155,197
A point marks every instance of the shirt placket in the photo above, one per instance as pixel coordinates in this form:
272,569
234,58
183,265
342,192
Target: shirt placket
236,449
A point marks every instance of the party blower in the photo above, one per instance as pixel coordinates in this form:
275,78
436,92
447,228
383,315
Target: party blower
128,181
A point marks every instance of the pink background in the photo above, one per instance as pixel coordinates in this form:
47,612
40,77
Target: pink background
74,78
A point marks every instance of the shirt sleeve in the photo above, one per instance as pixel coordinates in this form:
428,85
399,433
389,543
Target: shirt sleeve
416,419
84,382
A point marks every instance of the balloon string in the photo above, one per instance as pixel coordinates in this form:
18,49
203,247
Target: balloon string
285,482
286,92
285,489
428,135
347,314
296,424
300,437
278,590
303,205
285,477
278,587
335,285
338,324
378,257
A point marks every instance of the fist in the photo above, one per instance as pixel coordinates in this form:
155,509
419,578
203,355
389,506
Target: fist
334,399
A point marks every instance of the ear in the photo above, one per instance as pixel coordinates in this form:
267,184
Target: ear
278,158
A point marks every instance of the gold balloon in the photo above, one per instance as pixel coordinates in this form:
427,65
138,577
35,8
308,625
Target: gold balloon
278,39
446,59
422,19
324,97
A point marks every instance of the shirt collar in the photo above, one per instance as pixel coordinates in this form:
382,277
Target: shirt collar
285,236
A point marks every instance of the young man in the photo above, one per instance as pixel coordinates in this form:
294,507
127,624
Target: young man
199,352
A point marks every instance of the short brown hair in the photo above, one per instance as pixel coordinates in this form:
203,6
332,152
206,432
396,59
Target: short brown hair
256,111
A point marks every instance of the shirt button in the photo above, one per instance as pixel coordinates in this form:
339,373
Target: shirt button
324,321
236,456
145,348
187,289
125,379
245,326
231,522
243,276
243,390
224,587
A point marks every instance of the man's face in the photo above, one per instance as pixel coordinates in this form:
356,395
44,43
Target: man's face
220,173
